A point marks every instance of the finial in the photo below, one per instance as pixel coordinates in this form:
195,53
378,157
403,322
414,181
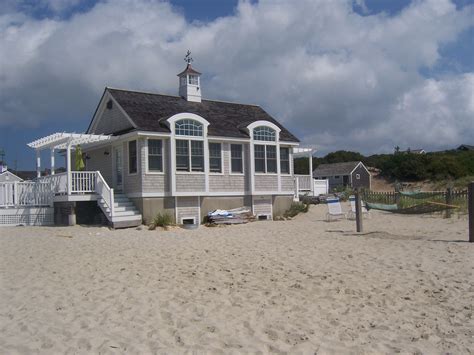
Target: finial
188,59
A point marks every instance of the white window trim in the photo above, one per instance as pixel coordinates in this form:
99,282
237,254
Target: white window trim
128,157
193,218
222,158
147,171
243,159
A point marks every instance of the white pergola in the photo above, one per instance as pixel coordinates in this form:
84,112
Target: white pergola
66,141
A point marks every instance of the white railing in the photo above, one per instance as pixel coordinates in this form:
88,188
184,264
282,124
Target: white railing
58,183
83,181
27,193
42,191
103,190
303,182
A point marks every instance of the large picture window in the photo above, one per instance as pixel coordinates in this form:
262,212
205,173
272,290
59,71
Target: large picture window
215,158
188,127
265,158
236,157
155,155
264,133
285,160
189,155
132,157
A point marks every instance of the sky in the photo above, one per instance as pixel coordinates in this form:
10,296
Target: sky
361,75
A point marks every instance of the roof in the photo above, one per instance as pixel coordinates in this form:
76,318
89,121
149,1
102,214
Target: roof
189,70
149,112
466,147
335,169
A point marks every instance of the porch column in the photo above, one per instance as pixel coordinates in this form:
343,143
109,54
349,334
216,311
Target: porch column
68,168
311,172
38,163
52,161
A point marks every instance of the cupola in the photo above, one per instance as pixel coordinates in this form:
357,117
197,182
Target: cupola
189,81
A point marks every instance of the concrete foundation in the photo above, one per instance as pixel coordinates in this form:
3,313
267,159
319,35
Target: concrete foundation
281,204
150,207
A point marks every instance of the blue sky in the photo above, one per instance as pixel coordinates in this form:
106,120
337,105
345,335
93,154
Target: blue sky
357,75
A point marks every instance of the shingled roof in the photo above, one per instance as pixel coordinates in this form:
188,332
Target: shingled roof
335,169
149,112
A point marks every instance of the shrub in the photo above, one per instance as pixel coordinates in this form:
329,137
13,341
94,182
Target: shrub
295,208
161,220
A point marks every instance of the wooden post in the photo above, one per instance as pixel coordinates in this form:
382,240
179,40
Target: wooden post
449,201
358,201
38,164
470,206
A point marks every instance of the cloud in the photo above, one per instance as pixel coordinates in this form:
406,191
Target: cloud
335,78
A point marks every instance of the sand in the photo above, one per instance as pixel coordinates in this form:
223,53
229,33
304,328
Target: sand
299,286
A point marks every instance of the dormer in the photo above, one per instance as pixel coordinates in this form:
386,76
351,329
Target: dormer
189,82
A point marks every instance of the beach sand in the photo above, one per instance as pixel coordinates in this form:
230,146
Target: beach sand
300,286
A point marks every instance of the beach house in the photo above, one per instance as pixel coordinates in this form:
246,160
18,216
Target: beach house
146,153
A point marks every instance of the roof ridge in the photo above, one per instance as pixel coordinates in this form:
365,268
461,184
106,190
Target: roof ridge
155,93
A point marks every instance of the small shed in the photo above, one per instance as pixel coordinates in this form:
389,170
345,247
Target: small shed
8,176
352,174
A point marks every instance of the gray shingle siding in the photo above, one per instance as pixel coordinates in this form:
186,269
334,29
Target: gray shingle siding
190,183
266,183
287,183
99,160
111,121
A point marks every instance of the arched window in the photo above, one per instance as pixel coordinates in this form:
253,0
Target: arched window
264,133
188,127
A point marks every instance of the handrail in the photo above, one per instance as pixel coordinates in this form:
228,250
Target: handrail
107,193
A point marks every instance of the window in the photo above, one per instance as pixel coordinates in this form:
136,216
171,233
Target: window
132,157
265,158
336,177
358,176
182,155
155,155
197,156
236,158
271,159
188,127
264,133
193,80
285,160
215,158
189,154
259,153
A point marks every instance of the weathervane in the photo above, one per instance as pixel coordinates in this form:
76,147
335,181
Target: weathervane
188,59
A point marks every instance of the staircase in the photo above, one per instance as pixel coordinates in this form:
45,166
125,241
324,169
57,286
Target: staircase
125,213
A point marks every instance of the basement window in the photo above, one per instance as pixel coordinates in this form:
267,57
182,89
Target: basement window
188,220
263,217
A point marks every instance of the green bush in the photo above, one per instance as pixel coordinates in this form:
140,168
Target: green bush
161,220
295,208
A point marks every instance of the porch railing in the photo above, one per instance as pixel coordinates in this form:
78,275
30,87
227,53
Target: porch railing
42,191
103,190
27,193
303,182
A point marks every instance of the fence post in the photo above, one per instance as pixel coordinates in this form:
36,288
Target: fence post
358,210
15,193
470,206
449,201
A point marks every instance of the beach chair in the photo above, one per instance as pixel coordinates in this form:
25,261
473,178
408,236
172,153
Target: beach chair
352,212
334,209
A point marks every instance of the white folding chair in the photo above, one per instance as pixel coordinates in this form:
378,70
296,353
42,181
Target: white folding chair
334,209
352,212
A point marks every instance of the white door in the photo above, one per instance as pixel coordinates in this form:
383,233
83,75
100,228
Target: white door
118,168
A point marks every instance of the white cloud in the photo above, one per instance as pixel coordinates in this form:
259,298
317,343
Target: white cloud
337,79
